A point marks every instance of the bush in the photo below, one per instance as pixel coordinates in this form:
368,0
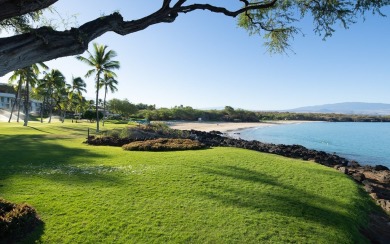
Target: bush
91,115
16,220
163,144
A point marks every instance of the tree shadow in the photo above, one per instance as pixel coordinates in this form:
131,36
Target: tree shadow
31,149
40,130
32,237
280,198
43,155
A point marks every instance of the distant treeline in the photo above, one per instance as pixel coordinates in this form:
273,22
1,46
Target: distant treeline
230,114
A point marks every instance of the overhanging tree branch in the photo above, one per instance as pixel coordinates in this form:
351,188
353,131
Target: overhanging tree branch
12,8
45,44
215,9
275,17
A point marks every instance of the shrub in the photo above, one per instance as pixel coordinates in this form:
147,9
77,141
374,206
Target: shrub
91,115
163,144
16,220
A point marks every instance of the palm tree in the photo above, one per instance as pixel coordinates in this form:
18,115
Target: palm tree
17,75
102,63
75,90
29,77
77,87
40,93
109,83
62,102
53,82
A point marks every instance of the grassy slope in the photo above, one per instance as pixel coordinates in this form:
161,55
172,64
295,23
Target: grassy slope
105,194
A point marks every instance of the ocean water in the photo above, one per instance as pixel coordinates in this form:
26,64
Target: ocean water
367,143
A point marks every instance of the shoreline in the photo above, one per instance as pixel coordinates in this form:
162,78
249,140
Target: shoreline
228,127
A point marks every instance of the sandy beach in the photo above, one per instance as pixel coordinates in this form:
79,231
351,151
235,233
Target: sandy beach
225,126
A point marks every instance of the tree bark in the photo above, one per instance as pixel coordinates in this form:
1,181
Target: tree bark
12,8
16,100
26,103
51,106
97,100
20,100
104,104
42,107
45,44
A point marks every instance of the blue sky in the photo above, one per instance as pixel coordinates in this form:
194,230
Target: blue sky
204,60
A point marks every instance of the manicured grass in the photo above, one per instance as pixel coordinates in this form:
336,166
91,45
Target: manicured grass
88,194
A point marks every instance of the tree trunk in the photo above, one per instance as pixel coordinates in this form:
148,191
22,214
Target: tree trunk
17,119
97,100
26,103
104,104
51,111
42,106
15,102
51,106
63,117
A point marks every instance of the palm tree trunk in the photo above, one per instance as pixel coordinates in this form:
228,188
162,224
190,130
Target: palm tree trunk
42,106
26,104
97,100
104,105
15,102
20,100
51,111
64,115
51,107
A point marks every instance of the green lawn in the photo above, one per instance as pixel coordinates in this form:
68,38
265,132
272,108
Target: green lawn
88,194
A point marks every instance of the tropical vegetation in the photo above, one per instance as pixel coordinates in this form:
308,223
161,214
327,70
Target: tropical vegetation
103,65
26,77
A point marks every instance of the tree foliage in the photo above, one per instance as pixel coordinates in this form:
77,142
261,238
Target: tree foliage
229,114
275,20
91,115
102,63
123,107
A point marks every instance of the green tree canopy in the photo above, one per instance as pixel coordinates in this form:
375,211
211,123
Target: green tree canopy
121,107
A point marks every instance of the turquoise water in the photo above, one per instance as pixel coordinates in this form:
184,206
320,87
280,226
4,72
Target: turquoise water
367,143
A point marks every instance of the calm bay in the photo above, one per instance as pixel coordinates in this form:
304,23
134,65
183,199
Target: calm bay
367,143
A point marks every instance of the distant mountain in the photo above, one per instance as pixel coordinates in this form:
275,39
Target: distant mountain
347,108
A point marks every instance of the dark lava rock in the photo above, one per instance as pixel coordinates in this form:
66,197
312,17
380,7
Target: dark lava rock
353,164
359,177
380,167
368,186
384,178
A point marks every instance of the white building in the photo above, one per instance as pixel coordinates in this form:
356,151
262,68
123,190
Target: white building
7,99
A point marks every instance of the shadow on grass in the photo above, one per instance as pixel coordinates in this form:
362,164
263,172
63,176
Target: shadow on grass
47,157
40,130
271,195
75,130
31,237
35,236
34,149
